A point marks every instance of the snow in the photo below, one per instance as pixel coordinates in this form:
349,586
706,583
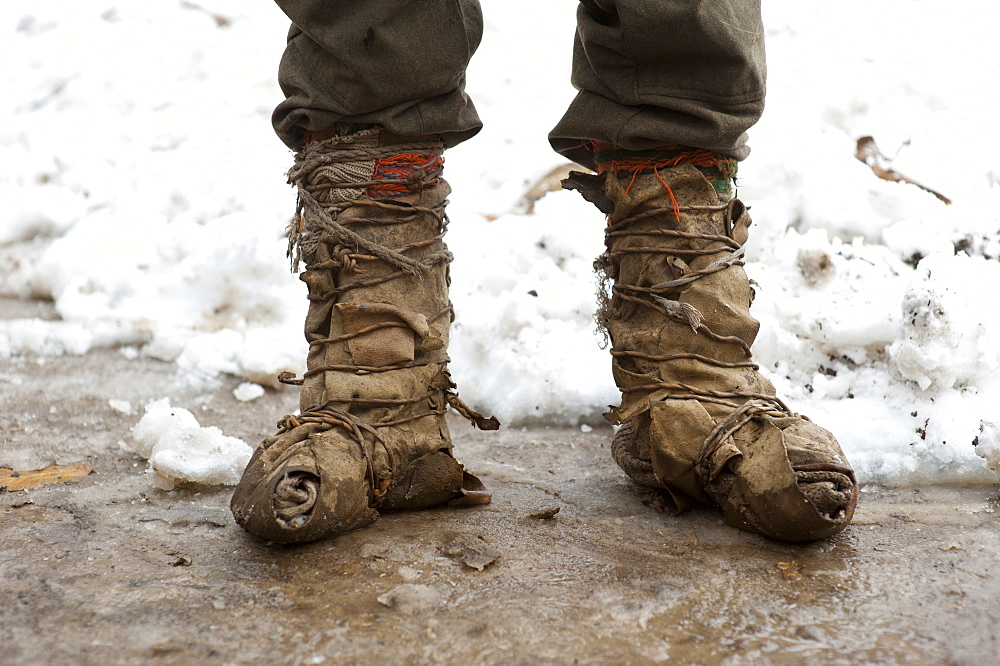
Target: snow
121,406
988,444
143,192
180,451
248,391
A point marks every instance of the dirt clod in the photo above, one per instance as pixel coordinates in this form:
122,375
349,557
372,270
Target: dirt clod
471,550
180,561
545,514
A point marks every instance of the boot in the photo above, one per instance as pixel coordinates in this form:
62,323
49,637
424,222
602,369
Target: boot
371,434
698,421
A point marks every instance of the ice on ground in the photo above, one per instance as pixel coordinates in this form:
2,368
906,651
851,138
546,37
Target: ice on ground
410,598
180,451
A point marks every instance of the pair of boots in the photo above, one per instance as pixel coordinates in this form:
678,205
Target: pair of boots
698,422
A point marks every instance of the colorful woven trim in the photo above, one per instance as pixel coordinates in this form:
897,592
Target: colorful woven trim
404,174
719,170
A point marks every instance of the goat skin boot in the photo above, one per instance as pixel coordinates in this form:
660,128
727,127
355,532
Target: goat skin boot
698,421
371,434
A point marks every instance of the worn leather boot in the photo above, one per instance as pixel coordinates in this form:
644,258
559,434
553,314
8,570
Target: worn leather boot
371,434
698,421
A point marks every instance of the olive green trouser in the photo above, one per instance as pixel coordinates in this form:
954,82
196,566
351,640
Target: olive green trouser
649,73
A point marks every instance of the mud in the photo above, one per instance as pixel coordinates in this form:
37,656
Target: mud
109,569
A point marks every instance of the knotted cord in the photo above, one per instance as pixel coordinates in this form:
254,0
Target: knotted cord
331,177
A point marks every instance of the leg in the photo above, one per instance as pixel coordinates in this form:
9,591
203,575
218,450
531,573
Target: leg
393,63
371,434
699,422
654,73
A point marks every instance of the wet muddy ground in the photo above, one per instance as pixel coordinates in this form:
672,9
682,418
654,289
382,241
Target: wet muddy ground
109,569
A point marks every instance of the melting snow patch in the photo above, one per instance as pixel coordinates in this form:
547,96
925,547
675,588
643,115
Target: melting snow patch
179,450
988,445
121,406
20,337
248,391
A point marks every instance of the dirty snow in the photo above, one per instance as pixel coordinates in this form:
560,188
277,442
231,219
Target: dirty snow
143,192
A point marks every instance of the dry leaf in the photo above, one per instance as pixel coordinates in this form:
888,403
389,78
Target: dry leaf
790,570
550,182
12,480
220,20
870,154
